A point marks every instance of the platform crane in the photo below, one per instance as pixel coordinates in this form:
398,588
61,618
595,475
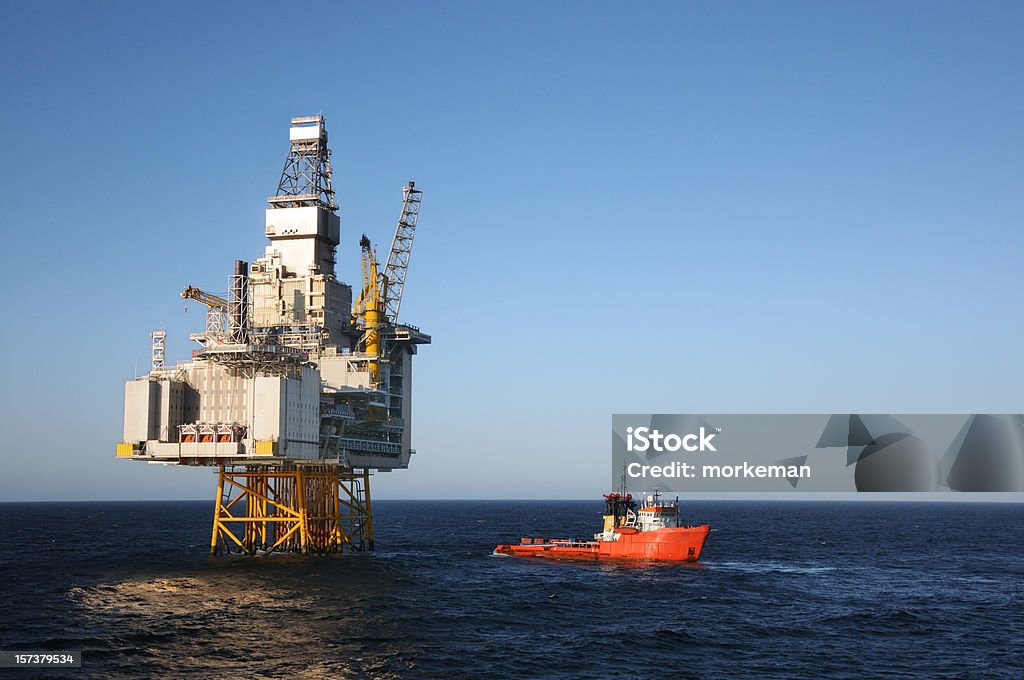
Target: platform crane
208,299
235,310
381,295
218,310
368,309
401,251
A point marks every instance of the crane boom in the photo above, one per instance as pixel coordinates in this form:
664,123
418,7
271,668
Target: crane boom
401,251
208,299
369,307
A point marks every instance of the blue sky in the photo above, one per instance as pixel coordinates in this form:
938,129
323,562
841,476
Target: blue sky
629,207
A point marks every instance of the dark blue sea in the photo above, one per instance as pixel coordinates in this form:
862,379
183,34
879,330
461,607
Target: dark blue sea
788,590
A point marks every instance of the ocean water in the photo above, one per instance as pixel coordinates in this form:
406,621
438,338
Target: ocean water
789,590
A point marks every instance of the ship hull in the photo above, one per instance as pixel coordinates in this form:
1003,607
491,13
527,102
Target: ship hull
670,544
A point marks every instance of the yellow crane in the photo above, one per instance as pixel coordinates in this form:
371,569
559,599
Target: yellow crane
208,299
381,296
217,313
368,309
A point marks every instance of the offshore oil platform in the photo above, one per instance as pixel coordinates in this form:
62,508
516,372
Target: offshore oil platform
296,394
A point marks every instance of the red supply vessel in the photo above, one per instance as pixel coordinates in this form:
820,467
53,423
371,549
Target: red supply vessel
651,532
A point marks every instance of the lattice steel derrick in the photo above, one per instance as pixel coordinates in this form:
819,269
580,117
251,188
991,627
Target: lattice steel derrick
401,250
306,177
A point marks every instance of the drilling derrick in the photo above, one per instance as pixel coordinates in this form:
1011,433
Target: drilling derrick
296,396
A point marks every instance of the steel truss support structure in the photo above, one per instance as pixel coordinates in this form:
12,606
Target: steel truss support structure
310,509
